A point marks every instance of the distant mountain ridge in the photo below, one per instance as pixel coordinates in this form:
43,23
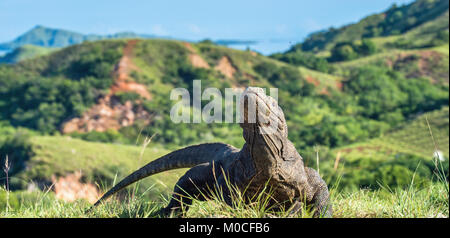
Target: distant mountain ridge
58,38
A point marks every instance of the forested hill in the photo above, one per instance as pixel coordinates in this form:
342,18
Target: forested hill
412,39
395,21
324,111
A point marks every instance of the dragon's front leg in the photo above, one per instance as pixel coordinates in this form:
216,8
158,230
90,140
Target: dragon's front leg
197,183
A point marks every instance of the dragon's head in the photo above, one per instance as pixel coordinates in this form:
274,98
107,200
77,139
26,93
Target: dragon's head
262,120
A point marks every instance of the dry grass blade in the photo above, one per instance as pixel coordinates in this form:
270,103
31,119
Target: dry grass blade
6,169
439,168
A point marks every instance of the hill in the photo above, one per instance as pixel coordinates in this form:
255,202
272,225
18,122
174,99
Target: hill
78,82
419,18
430,63
411,138
411,42
93,71
415,36
404,154
117,91
58,38
24,52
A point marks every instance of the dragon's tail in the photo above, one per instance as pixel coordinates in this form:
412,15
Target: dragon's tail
183,158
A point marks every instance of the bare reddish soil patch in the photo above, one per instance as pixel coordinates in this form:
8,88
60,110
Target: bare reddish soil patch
123,82
225,67
429,60
312,80
109,113
426,62
362,149
324,91
69,188
195,59
189,47
339,85
316,83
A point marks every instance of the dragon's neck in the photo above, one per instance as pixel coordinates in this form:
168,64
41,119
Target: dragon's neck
264,149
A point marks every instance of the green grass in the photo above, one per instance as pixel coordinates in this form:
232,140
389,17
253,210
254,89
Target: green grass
369,59
99,163
428,202
443,49
325,80
409,203
62,155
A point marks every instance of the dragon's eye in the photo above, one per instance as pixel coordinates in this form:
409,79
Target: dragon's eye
280,126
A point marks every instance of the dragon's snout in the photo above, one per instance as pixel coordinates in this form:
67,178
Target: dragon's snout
262,110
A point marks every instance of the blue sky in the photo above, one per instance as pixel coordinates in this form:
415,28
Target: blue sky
191,20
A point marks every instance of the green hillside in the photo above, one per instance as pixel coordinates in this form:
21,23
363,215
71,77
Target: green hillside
24,52
35,161
411,138
44,93
430,63
98,162
417,28
71,80
419,17
395,159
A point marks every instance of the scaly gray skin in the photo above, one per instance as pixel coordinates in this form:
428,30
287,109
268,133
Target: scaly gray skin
267,158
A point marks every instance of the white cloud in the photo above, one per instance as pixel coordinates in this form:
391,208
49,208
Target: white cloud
311,25
194,28
159,30
280,29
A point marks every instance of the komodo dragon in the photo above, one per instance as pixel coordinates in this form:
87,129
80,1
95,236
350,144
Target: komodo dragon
265,159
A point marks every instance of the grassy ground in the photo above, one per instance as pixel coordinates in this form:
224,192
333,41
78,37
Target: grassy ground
107,162
411,203
100,163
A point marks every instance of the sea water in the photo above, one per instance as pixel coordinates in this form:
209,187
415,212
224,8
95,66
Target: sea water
4,52
266,47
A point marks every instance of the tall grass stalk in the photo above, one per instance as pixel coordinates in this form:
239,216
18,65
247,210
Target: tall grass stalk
145,144
439,170
6,170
